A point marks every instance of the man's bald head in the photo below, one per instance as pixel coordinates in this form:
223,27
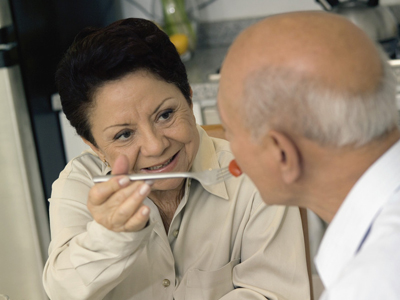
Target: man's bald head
316,43
302,63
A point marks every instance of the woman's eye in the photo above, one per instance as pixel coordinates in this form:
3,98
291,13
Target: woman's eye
124,135
166,115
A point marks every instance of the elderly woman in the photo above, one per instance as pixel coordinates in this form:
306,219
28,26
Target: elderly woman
126,92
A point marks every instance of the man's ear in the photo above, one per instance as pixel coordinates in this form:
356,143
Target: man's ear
94,148
287,156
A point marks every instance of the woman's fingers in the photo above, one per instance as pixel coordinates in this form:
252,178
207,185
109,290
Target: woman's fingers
100,192
118,204
120,165
139,220
129,208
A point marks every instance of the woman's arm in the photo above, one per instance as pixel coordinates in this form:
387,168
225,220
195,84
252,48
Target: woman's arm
86,260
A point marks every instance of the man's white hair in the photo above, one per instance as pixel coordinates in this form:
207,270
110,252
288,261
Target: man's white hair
276,98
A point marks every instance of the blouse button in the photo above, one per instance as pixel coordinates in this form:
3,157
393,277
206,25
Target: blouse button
176,232
166,283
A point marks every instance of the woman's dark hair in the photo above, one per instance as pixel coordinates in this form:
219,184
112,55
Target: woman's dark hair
98,56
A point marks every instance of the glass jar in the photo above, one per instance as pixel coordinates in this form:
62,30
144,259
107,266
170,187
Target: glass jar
177,21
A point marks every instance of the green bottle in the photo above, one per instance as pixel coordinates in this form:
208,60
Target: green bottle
176,21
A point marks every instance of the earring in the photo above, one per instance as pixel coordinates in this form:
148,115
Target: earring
106,162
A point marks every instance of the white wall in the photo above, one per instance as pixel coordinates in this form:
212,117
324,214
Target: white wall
227,9
235,9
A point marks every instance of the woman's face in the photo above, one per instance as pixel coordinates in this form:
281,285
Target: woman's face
149,121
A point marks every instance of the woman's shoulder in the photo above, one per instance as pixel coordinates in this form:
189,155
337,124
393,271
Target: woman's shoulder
223,151
75,181
243,182
83,167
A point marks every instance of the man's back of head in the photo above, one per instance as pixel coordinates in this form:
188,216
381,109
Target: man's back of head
320,81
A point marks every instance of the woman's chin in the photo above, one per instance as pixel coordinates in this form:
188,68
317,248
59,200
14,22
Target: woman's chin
167,184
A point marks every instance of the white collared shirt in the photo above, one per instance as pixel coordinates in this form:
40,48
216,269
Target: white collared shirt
223,242
359,257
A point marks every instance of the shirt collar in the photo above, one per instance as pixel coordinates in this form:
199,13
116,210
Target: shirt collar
207,159
348,229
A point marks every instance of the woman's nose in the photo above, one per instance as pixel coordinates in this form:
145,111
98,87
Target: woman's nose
153,143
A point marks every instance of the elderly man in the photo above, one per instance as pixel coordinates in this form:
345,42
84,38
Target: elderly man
308,104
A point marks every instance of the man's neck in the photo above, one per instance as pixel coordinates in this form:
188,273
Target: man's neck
332,172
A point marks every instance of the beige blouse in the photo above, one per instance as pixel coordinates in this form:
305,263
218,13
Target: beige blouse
223,242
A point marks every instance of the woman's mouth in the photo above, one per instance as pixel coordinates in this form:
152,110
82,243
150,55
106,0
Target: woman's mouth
159,167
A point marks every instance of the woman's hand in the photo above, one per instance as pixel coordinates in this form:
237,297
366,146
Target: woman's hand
117,204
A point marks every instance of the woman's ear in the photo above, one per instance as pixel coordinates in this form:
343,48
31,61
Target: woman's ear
94,148
286,155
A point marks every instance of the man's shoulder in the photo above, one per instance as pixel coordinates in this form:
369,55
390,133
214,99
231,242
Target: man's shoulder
386,226
375,270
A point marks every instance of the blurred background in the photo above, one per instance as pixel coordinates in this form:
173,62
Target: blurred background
36,140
